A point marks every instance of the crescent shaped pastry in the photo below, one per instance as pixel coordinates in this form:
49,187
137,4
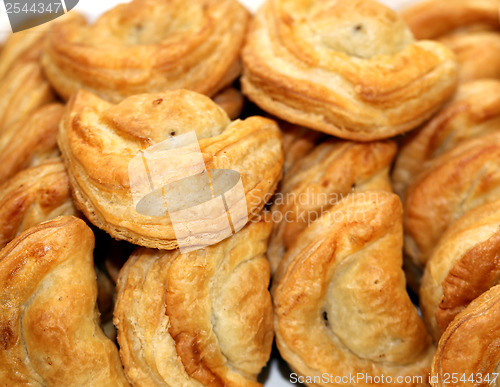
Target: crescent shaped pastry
431,19
99,141
340,301
33,196
314,184
464,265
23,91
349,68
469,345
198,319
148,46
30,140
49,323
477,53
473,112
458,181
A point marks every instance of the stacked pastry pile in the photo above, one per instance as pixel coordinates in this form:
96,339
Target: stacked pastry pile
114,156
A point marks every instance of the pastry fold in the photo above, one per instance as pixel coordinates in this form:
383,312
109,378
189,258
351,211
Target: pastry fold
100,143
33,196
468,348
473,112
462,267
331,171
50,334
459,180
198,319
340,301
349,68
30,140
148,46
432,19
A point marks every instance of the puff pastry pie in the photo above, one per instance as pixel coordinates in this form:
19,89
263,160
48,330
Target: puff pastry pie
458,181
331,171
99,140
198,319
473,112
33,196
469,345
50,334
30,140
463,266
148,46
349,68
340,302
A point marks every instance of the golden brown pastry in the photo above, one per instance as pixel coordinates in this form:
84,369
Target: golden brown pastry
431,19
148,46
27,45
458,181
298,142
469,347
473,112
477,53
33,196
23,91
104,144
330,172
341,306
197,319
30,140
349,68
231,100
463,266
50,334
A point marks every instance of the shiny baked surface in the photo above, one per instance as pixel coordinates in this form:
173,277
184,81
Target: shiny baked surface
48,316
468,346
148,46
33,196
202,318
98,140
347,68
340,303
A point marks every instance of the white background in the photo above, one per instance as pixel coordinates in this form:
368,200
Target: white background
276,375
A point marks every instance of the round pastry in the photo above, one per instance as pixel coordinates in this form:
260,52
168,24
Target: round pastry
33,196
148,46
23,91
468,350
50,324
431,19
349,68
105,146
198,319
477,53
459,180
331,171
463,266
30,140
473,112
340,301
